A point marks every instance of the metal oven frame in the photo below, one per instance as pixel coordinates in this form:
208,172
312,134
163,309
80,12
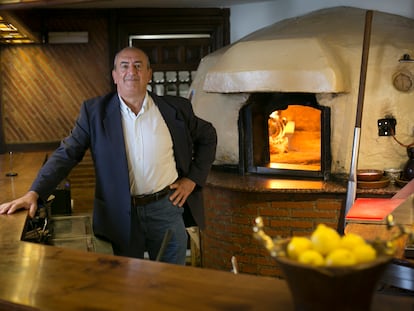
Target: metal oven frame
254,152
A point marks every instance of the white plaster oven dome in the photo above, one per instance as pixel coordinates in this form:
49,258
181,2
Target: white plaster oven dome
308,65
319,53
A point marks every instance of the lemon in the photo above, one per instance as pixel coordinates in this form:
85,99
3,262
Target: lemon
325,239
364,253
351,240
311,257
298,245
326,247
340,257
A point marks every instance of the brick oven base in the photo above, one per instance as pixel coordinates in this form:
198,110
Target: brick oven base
288,207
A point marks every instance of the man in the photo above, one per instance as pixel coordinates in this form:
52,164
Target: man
151,154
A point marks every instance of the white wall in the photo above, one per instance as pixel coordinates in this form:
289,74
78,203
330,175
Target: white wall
246,18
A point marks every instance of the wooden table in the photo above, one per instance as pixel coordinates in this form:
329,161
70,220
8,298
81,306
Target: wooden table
52,278
41,277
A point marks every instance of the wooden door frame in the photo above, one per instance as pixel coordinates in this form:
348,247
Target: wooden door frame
125,22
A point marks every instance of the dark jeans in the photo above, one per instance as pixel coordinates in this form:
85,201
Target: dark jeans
150,222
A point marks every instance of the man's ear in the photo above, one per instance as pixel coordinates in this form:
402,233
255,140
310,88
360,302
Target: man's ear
113,76
149,74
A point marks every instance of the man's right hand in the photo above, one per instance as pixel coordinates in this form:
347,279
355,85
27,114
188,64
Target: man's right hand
28,201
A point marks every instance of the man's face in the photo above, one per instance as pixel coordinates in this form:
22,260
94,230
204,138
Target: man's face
131,74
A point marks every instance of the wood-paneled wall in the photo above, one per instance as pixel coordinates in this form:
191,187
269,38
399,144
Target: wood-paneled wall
43,86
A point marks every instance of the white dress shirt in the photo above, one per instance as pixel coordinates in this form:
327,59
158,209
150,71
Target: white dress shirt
149,148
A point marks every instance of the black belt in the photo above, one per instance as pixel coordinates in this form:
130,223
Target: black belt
149,198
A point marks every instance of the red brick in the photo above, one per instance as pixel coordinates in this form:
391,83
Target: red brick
329,204
230,217
273,211
292,223
314,214
294,204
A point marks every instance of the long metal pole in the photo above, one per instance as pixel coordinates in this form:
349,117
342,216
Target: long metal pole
352,181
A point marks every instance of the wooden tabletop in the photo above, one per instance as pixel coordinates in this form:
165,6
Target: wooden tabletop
26,166
41,277
52,278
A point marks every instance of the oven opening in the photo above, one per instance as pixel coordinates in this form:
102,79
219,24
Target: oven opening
295,138
286,134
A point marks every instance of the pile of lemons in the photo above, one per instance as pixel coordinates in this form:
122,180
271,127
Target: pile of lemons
326,247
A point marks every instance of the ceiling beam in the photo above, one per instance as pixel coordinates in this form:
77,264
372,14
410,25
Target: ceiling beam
25,4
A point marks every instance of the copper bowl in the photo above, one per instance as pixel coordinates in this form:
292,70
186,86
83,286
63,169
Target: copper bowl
383,182
369,175
333,288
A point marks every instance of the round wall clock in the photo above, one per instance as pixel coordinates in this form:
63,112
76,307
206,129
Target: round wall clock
403,81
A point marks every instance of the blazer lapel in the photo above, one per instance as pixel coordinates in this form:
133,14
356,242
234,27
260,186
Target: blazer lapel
178,132
169,113
113,130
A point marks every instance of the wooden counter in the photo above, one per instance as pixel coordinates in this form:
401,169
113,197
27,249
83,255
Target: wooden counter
40,277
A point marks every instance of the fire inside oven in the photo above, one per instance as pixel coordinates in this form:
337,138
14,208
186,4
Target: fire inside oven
285,134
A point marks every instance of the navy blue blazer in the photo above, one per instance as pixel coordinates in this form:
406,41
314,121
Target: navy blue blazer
99,127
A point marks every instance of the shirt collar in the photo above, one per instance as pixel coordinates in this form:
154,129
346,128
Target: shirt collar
126,109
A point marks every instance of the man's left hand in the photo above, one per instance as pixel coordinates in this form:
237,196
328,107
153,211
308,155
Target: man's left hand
183,188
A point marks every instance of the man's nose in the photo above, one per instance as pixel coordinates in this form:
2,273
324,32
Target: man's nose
132,69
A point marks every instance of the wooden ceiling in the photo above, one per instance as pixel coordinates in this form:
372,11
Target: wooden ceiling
24,4
18,32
